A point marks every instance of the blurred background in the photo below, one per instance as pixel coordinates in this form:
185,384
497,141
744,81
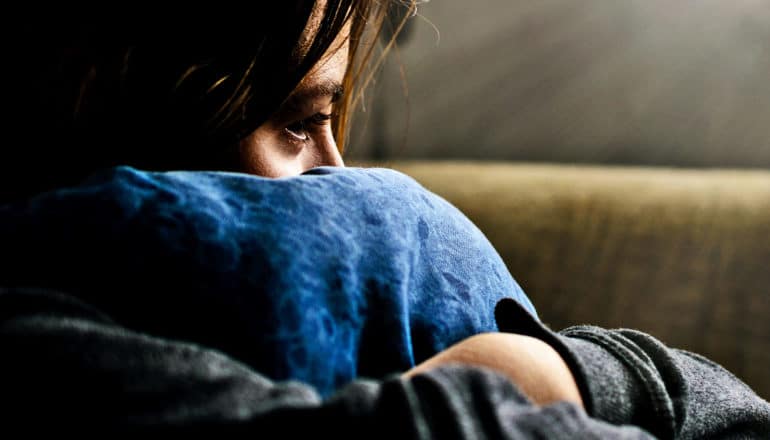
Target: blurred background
512,90
641,82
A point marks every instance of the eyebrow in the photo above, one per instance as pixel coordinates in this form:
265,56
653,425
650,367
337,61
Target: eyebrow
310,92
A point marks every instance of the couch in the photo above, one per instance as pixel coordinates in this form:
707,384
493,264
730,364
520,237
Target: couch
681,254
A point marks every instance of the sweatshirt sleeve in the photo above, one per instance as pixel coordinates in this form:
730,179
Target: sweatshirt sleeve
629,377
67,367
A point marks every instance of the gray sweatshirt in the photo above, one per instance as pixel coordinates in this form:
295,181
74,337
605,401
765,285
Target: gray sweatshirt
68,367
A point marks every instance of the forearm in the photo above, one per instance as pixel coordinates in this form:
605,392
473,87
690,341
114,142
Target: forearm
628,377
69,369
534,366
634,378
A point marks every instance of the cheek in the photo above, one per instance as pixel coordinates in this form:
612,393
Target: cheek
262,154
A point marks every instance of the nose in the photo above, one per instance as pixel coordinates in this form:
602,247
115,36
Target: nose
328,154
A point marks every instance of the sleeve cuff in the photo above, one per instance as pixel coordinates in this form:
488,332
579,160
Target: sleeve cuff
608,386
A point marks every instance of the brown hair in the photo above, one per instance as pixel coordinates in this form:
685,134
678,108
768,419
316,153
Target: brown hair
181,95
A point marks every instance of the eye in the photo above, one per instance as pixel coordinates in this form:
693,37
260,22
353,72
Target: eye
300,130
320,118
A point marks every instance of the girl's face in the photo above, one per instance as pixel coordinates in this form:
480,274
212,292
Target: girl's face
298,136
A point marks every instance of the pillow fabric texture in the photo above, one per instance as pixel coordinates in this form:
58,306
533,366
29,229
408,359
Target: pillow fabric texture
322,278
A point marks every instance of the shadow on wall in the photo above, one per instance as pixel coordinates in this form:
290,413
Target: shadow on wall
637,82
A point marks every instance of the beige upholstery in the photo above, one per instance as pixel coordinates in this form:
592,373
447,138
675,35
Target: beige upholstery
681,254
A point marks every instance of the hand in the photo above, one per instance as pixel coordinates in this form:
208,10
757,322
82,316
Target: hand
534,366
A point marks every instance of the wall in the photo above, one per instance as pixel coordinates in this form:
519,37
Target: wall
601,81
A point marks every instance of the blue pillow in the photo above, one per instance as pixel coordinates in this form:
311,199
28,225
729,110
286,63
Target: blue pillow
322,278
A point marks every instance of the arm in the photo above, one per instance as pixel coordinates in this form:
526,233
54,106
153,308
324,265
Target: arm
634,378
534,366
68,368
628,377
